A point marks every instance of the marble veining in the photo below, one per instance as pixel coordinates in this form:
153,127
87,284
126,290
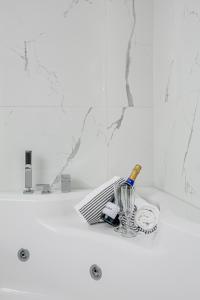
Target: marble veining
56,65
128,57
116,125
73,4
192,13
188,188
190,136
176,128
75,149
50,75
196,63
23,56
169,81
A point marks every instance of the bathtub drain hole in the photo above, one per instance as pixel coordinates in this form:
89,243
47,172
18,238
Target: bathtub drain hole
95,272
23,254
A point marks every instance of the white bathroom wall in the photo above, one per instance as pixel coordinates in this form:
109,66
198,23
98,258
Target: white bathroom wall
76,89
176,95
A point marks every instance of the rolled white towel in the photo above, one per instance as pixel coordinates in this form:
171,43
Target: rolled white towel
146,217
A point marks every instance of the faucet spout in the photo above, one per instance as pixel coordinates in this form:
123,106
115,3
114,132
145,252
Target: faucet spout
28,172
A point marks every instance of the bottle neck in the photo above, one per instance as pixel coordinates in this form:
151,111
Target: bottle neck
130,182
131,179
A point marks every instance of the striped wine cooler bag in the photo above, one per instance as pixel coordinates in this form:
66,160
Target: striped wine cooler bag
90,208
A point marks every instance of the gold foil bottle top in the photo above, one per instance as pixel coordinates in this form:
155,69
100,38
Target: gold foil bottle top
135,172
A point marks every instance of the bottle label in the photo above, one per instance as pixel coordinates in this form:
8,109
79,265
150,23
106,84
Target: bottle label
111,210
130,181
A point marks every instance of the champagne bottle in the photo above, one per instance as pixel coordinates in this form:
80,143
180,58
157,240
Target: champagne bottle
131,179
110,213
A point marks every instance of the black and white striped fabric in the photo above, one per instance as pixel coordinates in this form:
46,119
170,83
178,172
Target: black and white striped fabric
90,208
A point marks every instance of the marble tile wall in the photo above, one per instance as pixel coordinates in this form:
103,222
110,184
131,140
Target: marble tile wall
176,98
76,88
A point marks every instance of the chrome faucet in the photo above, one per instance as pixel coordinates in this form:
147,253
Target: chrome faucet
44,188
28,172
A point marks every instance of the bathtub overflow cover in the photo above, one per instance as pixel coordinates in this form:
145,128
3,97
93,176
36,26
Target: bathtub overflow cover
23,254
95,272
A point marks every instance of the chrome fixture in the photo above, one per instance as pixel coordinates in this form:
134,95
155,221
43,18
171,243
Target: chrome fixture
43,188
65,183
95,272
23,254
28,172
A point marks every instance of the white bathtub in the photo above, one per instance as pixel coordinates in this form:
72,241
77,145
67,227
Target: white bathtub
62,249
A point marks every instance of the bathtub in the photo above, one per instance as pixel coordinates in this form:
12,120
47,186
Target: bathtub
161,266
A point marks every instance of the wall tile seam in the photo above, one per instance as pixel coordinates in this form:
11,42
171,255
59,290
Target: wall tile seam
73,107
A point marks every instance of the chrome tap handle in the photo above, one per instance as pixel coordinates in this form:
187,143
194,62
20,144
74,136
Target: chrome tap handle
43,188
28,172
28,157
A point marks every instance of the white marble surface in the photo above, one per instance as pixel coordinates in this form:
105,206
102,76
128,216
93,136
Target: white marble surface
76,88
176,98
